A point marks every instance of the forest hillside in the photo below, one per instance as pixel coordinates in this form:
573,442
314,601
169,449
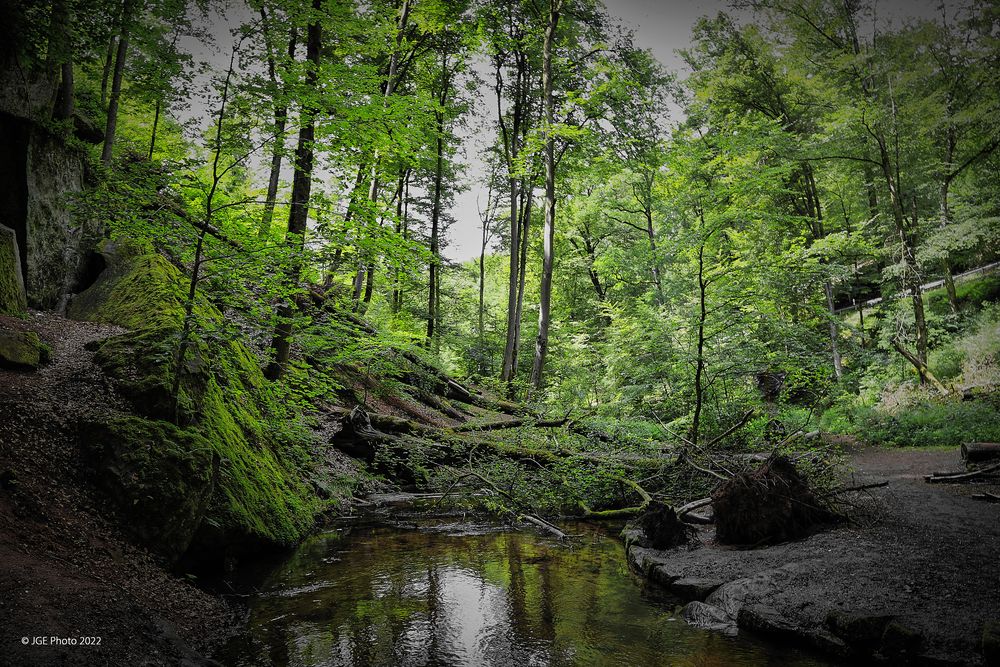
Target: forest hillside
236,305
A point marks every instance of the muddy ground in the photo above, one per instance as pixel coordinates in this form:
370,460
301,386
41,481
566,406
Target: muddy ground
912,579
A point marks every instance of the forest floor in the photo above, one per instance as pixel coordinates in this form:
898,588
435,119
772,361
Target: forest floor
912,577
67,570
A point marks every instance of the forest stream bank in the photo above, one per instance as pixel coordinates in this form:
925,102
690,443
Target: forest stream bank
912,580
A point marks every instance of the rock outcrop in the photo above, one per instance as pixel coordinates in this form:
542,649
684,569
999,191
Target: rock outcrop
13,300
21,350
223,404
41,175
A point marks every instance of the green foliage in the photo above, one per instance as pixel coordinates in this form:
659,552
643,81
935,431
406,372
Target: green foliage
945,423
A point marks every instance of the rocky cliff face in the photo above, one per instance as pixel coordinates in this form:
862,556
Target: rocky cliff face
40,174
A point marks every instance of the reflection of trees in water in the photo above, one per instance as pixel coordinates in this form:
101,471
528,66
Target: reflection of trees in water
418,598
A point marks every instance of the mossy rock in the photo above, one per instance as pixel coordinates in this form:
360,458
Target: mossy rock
260,497
13,300
22,350
158,477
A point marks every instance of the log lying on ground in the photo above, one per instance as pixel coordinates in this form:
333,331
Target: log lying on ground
974,452
511,423
988,497
452,388
958,477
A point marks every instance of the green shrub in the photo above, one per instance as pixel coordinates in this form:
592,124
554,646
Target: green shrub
933,423
946,363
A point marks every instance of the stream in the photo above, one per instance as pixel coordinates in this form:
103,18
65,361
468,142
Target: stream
439,593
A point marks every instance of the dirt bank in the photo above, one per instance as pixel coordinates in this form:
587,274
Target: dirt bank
67,571
913,583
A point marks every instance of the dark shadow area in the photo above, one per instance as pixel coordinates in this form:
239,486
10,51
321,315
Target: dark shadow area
14,133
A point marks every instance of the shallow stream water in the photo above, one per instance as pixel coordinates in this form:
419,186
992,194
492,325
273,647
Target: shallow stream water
470,594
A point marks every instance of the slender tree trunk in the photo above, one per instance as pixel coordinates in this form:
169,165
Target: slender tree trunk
298,211
511,140
280,121
481,330
116,83
527,197
545,300
188,325
433,270
106,70
369,287
432,314
404,177
655,269
699,368
159,105
949,280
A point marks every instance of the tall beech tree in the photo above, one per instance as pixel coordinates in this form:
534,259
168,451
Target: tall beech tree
298,210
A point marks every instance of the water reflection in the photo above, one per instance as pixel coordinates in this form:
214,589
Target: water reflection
383,596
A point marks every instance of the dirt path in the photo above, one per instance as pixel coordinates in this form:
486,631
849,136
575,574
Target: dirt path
914,582
67,571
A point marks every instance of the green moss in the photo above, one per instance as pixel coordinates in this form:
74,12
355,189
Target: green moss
260,494
159,478
22,350
12,297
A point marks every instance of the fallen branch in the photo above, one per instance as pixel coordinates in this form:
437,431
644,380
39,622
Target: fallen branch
693,505
543,524
859,487
988,497
961,477
732,429
530,518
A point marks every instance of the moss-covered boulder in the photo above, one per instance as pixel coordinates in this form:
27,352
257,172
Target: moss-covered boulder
158,477
260,497
13,300
22,350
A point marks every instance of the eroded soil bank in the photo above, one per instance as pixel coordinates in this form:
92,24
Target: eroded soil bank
914,580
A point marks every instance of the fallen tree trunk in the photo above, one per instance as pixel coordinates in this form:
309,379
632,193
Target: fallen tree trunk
511,423
974,452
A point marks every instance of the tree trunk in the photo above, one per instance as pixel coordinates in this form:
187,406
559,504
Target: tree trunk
432,314
435,261
920,365
116,82
298,211
280,120
699,368
527,197
545,300
511,139
401,194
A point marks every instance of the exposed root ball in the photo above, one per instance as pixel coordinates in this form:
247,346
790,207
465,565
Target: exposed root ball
767,505
662,527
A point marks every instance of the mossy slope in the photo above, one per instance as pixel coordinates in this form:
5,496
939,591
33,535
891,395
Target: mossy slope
260,496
